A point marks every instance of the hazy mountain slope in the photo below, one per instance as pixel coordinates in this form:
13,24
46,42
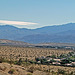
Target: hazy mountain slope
61,34
49,38
56,28
11,32
69,32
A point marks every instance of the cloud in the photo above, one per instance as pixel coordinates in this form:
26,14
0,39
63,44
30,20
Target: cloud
4,22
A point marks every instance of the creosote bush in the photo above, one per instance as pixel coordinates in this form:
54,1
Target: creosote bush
11,71
60,71
31,69
29,74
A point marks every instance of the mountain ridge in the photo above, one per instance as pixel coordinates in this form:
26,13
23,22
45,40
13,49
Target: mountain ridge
58,33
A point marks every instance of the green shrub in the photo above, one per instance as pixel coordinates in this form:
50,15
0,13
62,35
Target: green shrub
19,62
11,71
60,71
53,56
29,74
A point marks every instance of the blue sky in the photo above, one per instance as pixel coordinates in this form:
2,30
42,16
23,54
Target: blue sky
40,12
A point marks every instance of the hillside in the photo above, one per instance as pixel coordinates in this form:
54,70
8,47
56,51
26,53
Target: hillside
56,44
13,43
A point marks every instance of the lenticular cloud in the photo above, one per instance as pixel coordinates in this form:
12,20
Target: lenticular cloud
15,22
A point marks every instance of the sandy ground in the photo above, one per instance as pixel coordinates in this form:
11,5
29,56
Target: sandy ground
37,69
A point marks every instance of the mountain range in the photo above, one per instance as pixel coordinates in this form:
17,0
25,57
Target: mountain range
58,33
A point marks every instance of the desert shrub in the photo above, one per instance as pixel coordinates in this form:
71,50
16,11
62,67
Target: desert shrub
72,73
26,63
15,62
53,56
11,71
31,69
43,61
70,53
64,61
62,56
52,72
29,74
3,68
37,59
60,71
3,60
32,62
19,62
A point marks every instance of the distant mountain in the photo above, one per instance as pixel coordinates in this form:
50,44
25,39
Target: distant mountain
55,28
11,32
49,38
58,33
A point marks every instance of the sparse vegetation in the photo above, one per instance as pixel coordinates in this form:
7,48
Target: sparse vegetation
29,53
24,61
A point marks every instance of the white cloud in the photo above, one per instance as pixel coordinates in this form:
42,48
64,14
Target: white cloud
4,22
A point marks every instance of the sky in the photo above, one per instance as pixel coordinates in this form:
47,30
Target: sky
33,14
